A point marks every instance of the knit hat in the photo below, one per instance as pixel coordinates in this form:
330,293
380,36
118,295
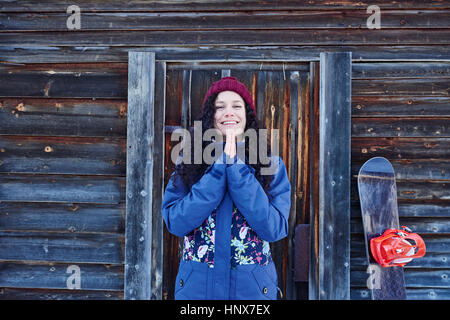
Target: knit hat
230,84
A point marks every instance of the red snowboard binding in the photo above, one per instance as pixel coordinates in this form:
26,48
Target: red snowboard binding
395,248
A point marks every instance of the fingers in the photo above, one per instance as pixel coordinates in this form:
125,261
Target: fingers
230,144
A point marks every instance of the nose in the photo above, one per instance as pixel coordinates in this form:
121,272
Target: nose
229,111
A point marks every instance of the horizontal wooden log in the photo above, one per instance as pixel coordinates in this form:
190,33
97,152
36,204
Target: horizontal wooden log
430,261
214,5
62,247
64,81
243,66
415,190
61,276
293,19
435,243
74,218
19,54
412,294
410,210
57,188
380,106
402,87
401,127
423,169
419,225
413,278
385,70
230,37
400,148
54,294
66,155
63,117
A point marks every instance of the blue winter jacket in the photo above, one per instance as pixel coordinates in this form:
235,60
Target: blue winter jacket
222,187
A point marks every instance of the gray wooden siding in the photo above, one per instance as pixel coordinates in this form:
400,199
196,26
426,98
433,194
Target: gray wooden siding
63,122
401,111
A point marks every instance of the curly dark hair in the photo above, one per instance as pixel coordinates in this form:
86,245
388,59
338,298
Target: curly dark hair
191,173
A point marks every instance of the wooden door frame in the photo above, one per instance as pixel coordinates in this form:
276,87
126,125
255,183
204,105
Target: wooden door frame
145,177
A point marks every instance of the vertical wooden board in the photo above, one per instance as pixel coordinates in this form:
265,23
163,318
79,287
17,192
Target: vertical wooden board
275,109
140,157
158,181
174,81
261,96
313,168
293,138
186,115
303,148
334,176
201,80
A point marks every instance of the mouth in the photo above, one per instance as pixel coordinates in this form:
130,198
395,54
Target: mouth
229,122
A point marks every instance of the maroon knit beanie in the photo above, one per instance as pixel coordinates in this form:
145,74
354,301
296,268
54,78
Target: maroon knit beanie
230,84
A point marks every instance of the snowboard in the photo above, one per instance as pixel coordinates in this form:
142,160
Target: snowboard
378,198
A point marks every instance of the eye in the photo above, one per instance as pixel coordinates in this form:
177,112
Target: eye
238,106
219,107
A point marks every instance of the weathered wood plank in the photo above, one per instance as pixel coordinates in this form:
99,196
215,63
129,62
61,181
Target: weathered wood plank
385,70
400,148
428,294
419,225
413,278
62,247
57,188
211,5
401,127
425,210
313,168
293,19
229,37
412,294
158,182
416,190
423,169
275,117
430,261
55,155
20,54
435,243
201,80
402,87
240,66
140,174
334,176
73,217
63,81
63,117
52,294
43,275
379,106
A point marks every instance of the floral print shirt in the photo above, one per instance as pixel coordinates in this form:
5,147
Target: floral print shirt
246,246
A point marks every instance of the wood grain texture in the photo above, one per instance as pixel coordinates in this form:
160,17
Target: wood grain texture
140,166
334,176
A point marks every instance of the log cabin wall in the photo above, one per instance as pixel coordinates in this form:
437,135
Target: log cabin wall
63,119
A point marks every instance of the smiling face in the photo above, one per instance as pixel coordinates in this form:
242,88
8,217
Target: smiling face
230,113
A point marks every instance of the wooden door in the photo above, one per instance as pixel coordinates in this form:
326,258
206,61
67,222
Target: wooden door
281,92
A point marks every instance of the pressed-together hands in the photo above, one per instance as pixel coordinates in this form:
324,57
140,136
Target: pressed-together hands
230,143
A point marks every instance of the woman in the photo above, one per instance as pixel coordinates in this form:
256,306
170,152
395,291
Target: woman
227,211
